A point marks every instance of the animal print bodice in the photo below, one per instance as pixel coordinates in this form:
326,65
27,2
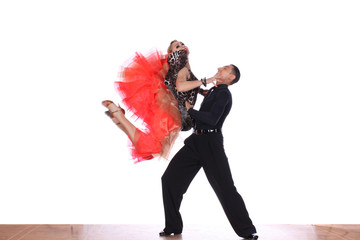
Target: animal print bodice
178,60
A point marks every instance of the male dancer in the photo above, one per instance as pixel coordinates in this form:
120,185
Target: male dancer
204,148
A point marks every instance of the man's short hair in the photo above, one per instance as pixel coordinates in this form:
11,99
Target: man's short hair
236,73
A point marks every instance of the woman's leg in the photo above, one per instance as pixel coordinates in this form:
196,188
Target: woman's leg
117,116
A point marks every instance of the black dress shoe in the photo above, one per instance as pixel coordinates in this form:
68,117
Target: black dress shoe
163,233
252,237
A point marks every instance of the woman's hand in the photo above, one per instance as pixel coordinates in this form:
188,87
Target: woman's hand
188,105
211,80
218,79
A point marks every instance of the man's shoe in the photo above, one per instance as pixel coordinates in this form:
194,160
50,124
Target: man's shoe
252,237
163,233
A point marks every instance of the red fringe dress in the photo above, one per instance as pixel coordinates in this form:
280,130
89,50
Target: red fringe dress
143,92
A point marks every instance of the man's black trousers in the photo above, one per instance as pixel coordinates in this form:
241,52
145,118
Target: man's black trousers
207,151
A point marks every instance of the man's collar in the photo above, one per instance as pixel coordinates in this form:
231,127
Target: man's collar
222,86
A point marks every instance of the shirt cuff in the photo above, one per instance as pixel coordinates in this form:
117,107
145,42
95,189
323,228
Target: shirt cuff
192,112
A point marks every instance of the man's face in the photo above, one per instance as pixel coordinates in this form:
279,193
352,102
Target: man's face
225,75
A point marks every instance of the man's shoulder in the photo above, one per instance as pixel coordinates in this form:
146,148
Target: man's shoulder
224,91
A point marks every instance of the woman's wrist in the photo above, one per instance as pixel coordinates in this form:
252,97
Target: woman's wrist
204,82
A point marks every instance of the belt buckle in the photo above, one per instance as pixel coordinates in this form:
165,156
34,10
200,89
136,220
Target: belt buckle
199,132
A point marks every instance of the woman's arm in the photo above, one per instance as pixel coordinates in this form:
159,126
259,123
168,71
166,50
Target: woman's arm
183,86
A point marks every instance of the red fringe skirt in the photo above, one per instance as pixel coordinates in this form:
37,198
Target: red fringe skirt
143,92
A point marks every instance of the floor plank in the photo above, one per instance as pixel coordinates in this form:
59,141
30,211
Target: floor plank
191,232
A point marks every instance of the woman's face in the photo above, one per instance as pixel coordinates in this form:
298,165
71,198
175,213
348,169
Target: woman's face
176,46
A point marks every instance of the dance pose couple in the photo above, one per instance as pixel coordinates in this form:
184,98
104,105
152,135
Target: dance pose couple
162,91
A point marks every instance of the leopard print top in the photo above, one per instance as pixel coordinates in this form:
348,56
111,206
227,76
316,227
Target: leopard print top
178,60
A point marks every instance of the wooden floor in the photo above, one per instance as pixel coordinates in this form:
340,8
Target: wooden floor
192,232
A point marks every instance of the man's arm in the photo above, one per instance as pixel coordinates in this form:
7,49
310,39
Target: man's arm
217,109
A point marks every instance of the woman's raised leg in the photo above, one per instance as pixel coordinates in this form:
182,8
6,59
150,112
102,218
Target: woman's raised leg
117,115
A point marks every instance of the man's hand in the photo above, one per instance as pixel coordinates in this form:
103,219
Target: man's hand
203,92
188,105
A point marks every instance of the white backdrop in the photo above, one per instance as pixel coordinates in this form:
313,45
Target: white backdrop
292,136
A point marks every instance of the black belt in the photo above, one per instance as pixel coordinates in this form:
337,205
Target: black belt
203,131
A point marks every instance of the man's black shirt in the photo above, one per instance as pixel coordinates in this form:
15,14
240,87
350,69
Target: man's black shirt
214,108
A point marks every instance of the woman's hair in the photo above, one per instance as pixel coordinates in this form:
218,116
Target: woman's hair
169,48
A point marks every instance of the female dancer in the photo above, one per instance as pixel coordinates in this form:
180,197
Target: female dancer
158,102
